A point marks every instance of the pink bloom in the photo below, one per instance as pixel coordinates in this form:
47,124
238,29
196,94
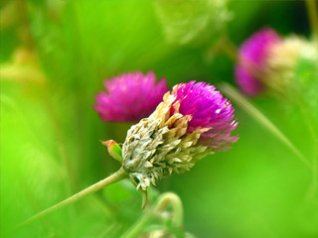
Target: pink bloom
252,58
130,97
191,121
208,109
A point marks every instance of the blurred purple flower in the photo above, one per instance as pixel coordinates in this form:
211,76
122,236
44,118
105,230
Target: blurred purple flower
252,58
130,97
209,110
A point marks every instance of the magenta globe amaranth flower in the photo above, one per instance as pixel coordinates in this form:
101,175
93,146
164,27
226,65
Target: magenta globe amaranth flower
192,121
208,109
253,56
267,61
130,97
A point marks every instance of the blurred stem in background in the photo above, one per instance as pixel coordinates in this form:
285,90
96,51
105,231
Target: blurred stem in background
27,69
310,122
224,44
16,13
29,43
9,15
230,50
260,117
312,9
157,211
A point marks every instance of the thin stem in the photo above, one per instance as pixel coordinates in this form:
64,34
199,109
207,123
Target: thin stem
171,199
313,17
310,122
120,174
135,230
222,45
253,111
230,49
9,15
164,201
25,32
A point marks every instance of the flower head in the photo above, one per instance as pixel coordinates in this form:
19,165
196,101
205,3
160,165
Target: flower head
130,97
208,109
253,55
191,121
283,59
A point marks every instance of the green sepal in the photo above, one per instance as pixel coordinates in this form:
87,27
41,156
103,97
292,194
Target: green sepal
114,149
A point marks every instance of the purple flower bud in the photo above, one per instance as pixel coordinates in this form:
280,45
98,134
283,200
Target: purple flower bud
130,97
209,110
252,60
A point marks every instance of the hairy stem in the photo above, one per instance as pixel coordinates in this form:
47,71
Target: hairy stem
119,175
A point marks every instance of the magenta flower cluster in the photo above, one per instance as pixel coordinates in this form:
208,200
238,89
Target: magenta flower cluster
208,109
252,57
130,97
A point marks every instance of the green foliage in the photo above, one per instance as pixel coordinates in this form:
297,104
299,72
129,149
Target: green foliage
192,21
306,75
50,134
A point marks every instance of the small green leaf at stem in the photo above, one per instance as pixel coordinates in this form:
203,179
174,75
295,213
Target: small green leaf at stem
114,149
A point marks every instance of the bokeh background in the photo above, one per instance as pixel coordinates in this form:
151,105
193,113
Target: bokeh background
54,57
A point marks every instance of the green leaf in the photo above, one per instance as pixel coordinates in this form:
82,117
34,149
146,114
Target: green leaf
192,21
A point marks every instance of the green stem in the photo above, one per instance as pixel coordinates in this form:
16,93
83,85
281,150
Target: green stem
313,17
259,116
164,201
310,122
136,229
176,204
119,175
9,15
25,31
222,45
230,49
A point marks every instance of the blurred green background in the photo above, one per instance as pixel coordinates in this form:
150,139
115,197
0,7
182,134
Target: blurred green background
54,57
